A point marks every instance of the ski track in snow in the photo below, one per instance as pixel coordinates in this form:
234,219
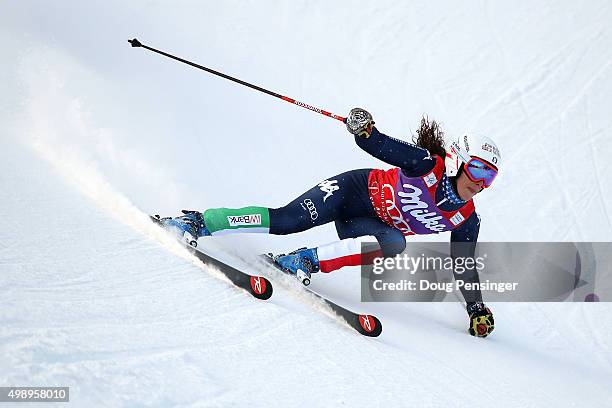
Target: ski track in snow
96,135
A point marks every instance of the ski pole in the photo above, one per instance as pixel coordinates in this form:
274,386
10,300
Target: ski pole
136,43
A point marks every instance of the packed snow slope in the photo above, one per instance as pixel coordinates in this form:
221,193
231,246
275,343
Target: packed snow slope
95,135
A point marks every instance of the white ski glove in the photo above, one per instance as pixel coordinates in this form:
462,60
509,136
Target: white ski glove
359,122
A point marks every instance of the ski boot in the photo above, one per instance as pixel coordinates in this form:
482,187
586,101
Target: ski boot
189,226
300,263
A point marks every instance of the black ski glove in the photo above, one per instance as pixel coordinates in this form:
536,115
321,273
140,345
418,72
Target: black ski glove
359,122
481,319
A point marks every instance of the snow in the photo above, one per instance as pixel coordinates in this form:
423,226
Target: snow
95,135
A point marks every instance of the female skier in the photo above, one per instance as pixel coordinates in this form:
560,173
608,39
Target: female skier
429,191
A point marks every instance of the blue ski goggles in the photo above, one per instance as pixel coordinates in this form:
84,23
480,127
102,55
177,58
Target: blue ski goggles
479,170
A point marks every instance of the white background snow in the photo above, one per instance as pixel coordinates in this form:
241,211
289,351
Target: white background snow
95,134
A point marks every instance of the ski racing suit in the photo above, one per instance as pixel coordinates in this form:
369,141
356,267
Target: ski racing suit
414,197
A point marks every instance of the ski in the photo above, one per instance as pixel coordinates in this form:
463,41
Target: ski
366,325
258,286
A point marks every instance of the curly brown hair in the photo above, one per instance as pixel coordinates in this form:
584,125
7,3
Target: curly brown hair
430,137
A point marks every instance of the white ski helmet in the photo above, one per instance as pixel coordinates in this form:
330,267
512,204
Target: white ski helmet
468,146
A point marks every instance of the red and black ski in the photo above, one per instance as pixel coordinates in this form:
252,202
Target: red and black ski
258,286
367,325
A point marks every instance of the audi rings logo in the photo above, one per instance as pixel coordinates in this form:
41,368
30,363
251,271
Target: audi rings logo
310,207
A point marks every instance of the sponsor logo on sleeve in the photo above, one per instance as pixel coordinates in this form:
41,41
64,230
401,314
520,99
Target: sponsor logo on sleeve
328,187
242,220
308,205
